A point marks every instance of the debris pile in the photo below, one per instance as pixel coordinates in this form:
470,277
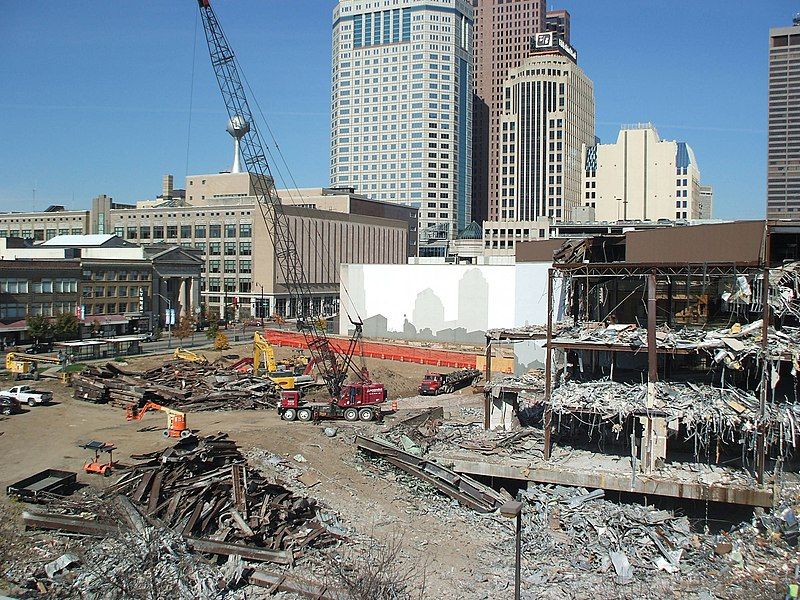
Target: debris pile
699,407
204,490
178,384
580,532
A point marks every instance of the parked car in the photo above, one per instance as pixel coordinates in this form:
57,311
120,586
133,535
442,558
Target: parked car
9,405
25,394
39,348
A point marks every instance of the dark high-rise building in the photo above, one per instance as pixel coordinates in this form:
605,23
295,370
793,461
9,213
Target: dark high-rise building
783,150
557,21
502,35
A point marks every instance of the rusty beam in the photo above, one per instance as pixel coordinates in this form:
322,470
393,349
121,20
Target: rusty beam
64,523
281,557
279,582
548,373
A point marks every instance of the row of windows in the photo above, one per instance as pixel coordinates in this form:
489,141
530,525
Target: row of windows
44,286
111,291
159,232
39,235
245,266
111,308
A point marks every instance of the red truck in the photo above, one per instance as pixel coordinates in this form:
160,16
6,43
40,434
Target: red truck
446,383
358,401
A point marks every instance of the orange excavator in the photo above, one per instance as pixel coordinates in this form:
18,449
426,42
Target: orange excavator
176,420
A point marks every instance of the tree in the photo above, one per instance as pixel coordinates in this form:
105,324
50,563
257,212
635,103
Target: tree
39,327
96,327
221,342
185,328
212,330
65,326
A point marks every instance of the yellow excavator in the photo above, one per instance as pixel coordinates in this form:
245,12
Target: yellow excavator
23,366
264,364
184,354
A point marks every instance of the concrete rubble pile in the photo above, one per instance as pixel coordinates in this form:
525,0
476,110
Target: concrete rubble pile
700,408
571,533
532,382
177,384
729,346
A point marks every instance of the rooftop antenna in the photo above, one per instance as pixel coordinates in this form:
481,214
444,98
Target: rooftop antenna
796,19
33,207
238,127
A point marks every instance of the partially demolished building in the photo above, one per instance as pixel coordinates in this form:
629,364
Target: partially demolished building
672,360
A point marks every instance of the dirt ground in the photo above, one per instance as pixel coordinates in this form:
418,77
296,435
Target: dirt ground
451,549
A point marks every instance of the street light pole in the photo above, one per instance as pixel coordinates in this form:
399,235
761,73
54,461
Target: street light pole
262,303
513,510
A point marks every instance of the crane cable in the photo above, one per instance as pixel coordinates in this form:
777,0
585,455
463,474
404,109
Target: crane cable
191,92
304,226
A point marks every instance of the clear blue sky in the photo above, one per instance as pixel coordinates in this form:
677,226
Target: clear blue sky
95,95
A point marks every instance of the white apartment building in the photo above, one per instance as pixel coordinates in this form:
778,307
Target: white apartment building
401,108
706,201
642,177
548,117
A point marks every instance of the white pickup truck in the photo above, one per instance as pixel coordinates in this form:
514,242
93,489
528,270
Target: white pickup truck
25,394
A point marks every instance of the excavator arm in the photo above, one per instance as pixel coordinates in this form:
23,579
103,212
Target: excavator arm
263,356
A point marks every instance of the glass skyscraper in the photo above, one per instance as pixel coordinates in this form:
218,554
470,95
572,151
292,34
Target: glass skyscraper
401,109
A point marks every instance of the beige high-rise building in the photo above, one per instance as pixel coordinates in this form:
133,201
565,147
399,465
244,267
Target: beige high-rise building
706,201
548,116
642,177
783,154
502,40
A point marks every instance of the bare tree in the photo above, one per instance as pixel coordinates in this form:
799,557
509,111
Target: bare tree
377,572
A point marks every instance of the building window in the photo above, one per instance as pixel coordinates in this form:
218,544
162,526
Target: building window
200,246
245,286
213,266
214,231
199,231
245,230
172,232
230,230
214,284
230,248
214,248
245,266
132,233
186,231
245,248
230,284
158,232
144,232
230,266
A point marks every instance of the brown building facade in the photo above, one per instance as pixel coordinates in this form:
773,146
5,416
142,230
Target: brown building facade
502,35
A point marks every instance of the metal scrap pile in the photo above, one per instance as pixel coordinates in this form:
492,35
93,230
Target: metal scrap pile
580,532
571,530
532,382
697,406
204,490
178,384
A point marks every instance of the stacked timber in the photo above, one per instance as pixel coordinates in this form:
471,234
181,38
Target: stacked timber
178,384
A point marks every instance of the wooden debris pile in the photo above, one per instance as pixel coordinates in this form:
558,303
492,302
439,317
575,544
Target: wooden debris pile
204,490
178,384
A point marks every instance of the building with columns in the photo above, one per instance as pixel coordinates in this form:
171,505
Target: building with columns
121,287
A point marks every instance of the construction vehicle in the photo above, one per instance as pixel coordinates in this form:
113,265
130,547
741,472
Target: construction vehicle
284,376
334,362
96,465
183,354
176,420
446,383
27,367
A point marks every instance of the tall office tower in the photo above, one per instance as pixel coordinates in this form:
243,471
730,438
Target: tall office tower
503,33
557,21
548,115
401,114
642,177
783,153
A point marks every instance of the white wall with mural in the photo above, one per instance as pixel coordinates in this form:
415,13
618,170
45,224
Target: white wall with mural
448,303
455,303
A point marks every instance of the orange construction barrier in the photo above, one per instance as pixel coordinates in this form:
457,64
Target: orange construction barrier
383,350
